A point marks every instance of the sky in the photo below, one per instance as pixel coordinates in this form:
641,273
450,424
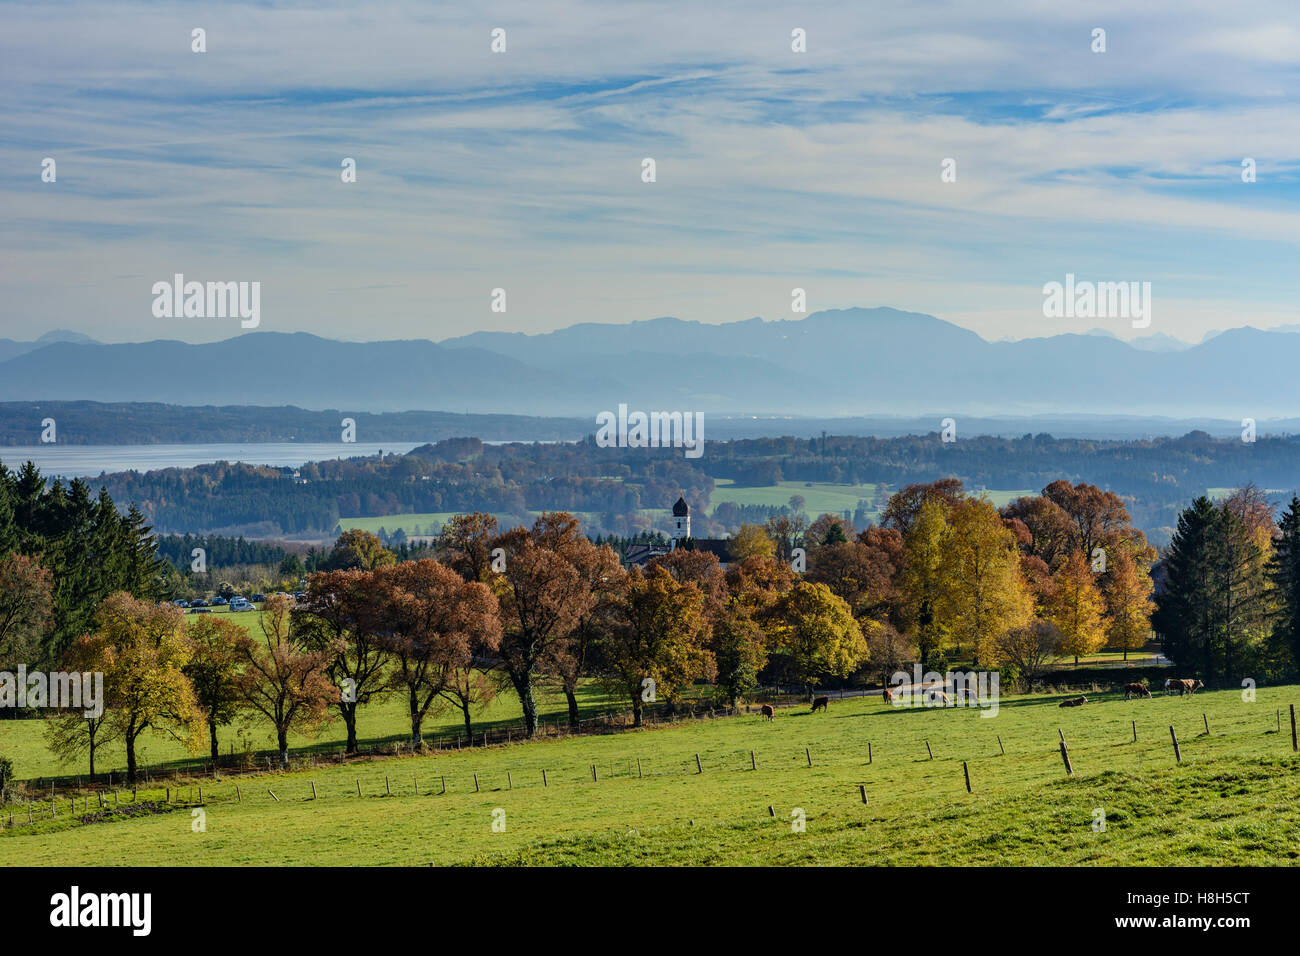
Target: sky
522,170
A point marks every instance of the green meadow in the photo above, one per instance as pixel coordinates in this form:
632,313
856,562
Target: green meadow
1234,799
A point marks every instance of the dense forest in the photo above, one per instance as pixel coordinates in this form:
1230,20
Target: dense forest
610,486
63,550
147,423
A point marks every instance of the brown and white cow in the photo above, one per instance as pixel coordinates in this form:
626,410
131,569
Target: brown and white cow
889,696
768,711
1188,686
820,703
1073,701
1136,690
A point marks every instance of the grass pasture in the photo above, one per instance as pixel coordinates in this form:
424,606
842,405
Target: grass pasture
1234,799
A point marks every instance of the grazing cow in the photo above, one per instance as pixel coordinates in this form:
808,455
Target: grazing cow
1074,701
1189,686
1136,690
768,711
937,695
1172,685
889,696
820,703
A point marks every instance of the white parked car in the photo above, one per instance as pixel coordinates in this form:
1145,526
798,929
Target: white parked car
241,604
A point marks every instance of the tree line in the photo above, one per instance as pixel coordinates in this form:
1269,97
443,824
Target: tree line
612,487
945,579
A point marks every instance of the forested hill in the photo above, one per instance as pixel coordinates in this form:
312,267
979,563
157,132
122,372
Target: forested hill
147,423
1156,478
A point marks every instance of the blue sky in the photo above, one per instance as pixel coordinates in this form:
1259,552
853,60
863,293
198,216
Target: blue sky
521,170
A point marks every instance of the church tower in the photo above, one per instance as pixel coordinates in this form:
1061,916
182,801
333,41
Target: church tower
681,521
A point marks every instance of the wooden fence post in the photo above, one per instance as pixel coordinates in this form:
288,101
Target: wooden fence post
638,768
1135,731
698,767
313,790
868,751
1207,723
239,797
1000,747
862,789
272,793
1293,737
808,754
387,787
1178,755
1065,755
966,771
476,783
752,764
544,782
358,786
510,784
444,781
928,750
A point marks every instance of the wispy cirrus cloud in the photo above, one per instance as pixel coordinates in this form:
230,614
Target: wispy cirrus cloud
522,170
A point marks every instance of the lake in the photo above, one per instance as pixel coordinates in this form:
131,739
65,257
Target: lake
88,461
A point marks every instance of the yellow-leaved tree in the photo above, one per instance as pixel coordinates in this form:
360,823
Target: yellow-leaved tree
1077,607
982,594
921,583
141,649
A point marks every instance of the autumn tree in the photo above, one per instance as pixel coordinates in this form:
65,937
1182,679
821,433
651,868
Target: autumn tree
469,687
1028,650
981,593
601,574
345,610
854,571
921,581
889,651
740,651
751,540
786,531
26,606
466,542
359,549
542,598
658,643
71,733
142,648
905,505
435,623
1078,609
815,635
218,645
285,681
1127,592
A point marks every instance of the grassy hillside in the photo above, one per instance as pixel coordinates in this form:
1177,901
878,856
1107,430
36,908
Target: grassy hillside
1235,798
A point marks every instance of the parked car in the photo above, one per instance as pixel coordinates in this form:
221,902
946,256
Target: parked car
200,610
258,598
198,602
219,601
179,603
240,604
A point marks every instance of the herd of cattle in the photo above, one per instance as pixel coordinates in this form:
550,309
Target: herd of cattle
1179,686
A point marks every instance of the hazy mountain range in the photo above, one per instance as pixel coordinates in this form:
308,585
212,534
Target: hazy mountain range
851,362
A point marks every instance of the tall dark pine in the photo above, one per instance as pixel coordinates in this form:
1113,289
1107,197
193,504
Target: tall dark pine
1188,610
1284,570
